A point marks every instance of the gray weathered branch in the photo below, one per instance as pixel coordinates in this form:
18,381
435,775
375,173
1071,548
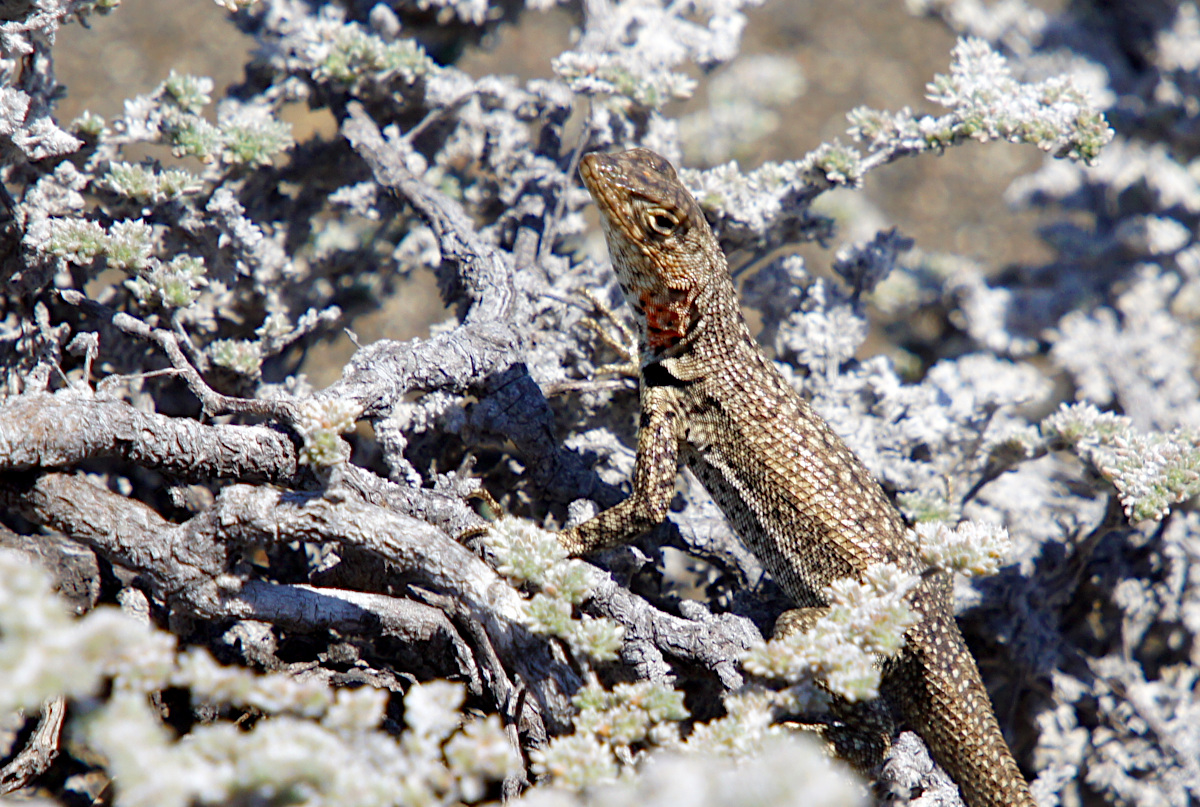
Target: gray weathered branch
39,751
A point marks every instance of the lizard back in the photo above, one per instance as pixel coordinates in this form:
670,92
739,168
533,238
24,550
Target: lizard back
789,485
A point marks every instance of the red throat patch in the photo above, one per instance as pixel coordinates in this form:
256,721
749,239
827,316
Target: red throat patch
668,321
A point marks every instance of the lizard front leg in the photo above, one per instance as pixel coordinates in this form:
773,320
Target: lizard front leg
654,475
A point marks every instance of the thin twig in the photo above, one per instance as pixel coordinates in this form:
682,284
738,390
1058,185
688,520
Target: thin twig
213,402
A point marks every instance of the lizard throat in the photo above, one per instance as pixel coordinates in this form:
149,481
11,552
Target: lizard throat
668,317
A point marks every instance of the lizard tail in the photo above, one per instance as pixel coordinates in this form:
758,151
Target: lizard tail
940,694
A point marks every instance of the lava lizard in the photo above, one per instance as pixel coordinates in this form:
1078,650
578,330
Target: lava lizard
800,499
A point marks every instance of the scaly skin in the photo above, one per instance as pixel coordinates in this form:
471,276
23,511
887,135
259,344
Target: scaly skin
793,491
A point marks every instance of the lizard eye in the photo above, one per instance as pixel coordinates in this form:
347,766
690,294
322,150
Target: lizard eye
660,221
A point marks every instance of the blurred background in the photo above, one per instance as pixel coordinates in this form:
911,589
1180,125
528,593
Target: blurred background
848,54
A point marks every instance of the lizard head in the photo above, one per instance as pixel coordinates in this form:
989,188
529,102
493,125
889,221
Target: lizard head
661,246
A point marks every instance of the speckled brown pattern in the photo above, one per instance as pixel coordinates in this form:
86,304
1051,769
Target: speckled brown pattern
792,490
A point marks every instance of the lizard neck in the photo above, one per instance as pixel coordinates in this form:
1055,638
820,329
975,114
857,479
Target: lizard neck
707,335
